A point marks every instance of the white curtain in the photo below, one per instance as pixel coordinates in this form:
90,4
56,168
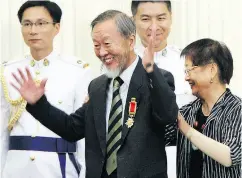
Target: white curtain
192,20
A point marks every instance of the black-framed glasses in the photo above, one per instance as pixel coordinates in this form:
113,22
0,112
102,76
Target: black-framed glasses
38,24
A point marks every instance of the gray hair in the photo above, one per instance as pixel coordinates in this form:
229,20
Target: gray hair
124,23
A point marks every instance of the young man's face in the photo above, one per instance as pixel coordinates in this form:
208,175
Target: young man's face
153,14
111,47
40,35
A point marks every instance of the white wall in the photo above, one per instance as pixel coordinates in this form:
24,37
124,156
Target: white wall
192,20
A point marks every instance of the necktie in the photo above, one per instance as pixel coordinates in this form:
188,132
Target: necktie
114,127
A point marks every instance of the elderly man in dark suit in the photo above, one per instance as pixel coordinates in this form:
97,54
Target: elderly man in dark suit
123,120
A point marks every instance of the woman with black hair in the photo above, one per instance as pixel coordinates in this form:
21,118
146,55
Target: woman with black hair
209,144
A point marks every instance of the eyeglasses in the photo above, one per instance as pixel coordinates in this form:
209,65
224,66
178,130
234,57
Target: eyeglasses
38,24
187,71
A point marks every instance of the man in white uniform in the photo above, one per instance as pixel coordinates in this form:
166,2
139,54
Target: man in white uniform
146,15
28,148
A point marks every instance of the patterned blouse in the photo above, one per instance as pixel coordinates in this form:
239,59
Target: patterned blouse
222,125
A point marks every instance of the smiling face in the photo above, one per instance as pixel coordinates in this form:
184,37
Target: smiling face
41,36
199,77
153,14
112,48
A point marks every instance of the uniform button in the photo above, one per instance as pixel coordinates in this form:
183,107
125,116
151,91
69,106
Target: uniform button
60,101
32,157
33,135
37,72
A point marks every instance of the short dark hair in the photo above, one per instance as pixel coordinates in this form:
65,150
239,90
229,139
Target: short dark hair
53,9
125,25
205,51
135,4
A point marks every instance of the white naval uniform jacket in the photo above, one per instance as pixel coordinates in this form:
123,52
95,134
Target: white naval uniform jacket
169,59
66,88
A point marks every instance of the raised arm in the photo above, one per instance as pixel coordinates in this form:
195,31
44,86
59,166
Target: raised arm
163,99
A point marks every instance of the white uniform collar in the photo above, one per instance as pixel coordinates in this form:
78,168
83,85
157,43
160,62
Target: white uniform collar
43,62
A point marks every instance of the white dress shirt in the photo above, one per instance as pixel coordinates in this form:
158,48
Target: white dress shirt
123,91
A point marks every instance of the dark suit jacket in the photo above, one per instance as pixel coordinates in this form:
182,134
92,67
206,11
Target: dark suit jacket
142,152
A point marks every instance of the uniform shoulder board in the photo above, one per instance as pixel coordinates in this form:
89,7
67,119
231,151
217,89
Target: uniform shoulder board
75,61
4,63
175,48
15,61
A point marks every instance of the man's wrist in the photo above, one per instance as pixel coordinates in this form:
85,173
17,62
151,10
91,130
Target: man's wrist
149,67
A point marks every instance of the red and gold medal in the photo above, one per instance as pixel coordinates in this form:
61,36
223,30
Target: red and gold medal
132,112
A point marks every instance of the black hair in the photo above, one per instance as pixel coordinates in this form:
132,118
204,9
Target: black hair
205,51
135,4
53,9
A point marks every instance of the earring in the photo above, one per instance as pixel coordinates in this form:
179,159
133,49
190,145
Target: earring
211,81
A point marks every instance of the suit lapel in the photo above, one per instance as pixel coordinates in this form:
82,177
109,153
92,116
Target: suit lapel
100,96
135,86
